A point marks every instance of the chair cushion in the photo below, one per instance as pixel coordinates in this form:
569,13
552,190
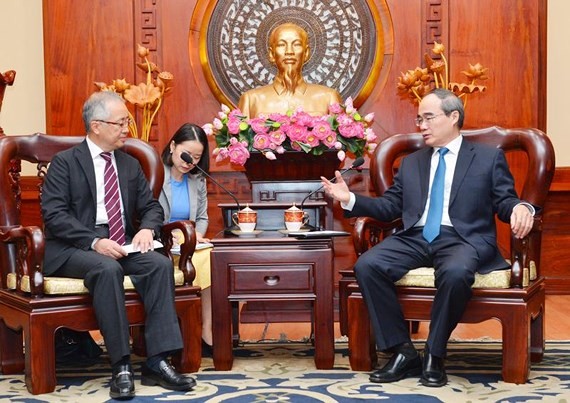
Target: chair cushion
69,286
424,277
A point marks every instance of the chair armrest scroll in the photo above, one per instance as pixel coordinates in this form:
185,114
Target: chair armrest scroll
187,246
525,250
28,256
367,232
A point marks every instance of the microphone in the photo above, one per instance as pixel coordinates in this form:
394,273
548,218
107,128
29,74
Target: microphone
188,159
357,162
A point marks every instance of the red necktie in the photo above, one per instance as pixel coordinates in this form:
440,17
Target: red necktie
113,202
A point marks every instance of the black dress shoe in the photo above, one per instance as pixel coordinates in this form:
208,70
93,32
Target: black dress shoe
433,371
207,350
122,383
167,377
398,367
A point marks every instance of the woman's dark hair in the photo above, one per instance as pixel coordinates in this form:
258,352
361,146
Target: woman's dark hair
189,132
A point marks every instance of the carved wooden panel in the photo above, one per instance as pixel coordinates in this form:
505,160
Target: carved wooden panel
435,20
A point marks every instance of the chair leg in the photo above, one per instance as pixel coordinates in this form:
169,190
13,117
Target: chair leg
361,345
414,326
343,301
190,358
516,348
11,350
139,343
235,324
40,358
537,335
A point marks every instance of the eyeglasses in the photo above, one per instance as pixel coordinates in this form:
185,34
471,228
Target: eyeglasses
428,119
121,123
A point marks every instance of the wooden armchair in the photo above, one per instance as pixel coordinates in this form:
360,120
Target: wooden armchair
33,307
515,297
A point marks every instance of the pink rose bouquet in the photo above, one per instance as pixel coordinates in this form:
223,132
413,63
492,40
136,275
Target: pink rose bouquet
343,130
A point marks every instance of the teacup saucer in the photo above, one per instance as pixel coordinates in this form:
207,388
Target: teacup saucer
250,233
286,231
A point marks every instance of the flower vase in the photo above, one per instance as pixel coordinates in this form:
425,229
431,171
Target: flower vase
291,166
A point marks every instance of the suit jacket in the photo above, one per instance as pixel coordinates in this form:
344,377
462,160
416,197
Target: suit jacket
197,194
482,187
69,203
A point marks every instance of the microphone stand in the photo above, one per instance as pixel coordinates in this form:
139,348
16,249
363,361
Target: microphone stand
358,162
188,159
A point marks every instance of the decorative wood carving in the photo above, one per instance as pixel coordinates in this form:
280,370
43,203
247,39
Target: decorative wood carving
6,79
434,16
147,30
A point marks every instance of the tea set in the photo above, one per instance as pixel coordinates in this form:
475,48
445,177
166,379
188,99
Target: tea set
294,219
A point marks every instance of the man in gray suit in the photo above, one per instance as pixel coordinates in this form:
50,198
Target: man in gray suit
80,244
452,230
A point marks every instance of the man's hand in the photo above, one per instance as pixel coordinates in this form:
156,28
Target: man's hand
338,190
521,221
109,248
143,240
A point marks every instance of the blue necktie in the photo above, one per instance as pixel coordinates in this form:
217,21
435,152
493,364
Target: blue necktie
435,212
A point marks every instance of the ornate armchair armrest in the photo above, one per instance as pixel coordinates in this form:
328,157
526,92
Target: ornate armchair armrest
367,232
525,250
25,255
187,246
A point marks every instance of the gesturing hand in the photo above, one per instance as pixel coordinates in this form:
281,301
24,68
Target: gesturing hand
338,190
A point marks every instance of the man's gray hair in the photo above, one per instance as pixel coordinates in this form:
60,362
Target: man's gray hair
95,108
449,103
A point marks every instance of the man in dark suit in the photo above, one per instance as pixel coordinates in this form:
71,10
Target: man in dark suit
454,232
85,239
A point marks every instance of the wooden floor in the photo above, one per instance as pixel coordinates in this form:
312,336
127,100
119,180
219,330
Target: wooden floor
557,326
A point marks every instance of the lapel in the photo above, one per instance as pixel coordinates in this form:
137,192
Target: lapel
167,190
464,160
424,162
83,157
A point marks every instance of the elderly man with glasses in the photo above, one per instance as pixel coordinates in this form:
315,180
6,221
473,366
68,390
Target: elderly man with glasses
447,195
95,201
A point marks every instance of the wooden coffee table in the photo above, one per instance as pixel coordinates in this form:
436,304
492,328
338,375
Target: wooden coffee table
270,266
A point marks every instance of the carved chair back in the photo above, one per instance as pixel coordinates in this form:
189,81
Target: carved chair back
39,149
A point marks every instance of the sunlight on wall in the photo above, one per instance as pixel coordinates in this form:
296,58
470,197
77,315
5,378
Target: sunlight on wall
558,80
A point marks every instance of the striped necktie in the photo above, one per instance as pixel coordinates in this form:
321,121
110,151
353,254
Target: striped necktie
113,201
435,212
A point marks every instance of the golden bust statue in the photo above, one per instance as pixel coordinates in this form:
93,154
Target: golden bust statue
289,51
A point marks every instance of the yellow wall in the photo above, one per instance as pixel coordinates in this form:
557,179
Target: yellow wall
558,79
21,49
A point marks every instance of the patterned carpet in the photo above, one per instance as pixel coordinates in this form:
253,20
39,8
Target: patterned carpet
286,373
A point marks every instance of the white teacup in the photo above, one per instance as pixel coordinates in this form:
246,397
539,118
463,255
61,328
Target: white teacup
246,226
295,218
245,219
293,225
